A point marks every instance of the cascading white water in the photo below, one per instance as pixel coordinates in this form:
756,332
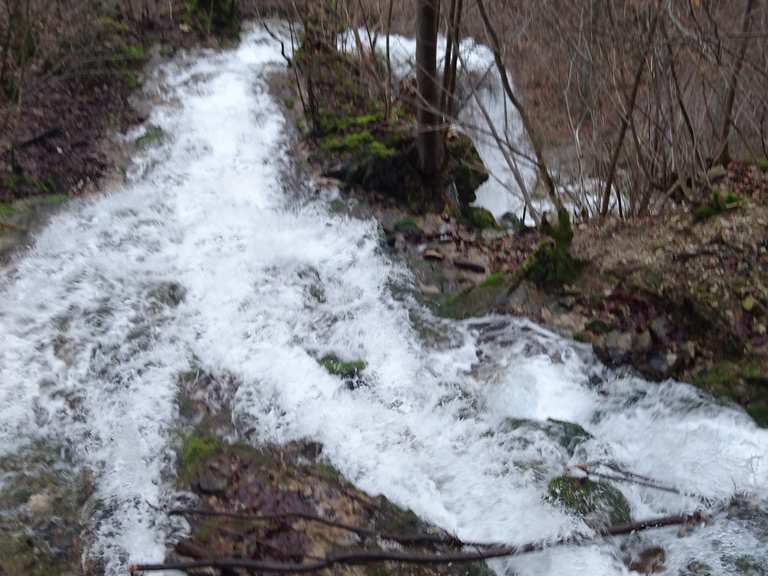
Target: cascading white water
272,281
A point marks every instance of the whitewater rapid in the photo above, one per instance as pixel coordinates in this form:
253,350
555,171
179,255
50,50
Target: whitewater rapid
271,280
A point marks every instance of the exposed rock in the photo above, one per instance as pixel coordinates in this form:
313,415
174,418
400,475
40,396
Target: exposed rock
642,342
294,479
662,364
616,347
568,434
696,568
469,265
660,329
40,504
168,293
648,561
433,255
429,289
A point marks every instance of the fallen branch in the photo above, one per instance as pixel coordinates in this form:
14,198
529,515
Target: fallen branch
364,557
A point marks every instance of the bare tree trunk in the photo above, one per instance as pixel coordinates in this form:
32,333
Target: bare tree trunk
630,110
388,99
429,143
724,156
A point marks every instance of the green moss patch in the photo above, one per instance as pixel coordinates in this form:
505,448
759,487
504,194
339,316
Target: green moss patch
742,380
151,137
479,218
718,204
494,280
407,226
7,209
347,370
465,169
598,503
195,450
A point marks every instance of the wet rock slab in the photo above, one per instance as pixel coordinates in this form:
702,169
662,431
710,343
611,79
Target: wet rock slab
280,481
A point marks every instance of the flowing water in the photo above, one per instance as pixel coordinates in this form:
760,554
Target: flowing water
212,257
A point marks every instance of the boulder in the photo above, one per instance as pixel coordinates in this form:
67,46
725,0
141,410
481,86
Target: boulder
598,503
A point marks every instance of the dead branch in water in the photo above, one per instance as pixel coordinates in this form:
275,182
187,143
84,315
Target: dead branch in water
364,557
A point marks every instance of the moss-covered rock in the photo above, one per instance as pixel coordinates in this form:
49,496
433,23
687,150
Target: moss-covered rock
554,266
334,365
41,498
599,503
152,136
195,450
742,380
477,301
479,218
465,168
568,434
750,566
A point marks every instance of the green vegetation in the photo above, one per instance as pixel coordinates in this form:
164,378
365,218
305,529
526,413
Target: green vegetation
552,265
153,135
194,451
134,53
466,170
407,226
381,150
347,370
495,279
54,199
7,209
351,142
742,380
479,218
213,16
717,205
132,80
749,566
593,500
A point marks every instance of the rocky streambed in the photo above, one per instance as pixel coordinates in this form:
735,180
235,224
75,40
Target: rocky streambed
220,334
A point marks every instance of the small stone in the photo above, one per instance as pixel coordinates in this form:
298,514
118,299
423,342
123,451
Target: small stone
433,255
619,342
649,561
660,364
40,504
689,351
211,482
761,329
429,289
567,302
660,329
642,342
546,315
748,304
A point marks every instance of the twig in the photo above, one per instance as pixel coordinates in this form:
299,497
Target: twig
363,557
282,44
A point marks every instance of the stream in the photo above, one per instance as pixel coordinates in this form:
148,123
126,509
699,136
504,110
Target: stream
215,256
